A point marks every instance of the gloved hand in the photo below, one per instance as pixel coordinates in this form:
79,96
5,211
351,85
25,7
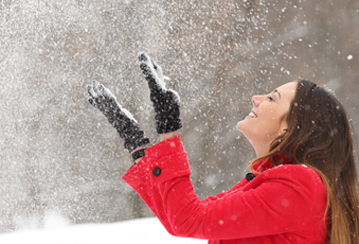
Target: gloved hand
166,102
120,118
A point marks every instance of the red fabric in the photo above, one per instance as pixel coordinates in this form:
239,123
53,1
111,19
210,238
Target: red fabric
284,204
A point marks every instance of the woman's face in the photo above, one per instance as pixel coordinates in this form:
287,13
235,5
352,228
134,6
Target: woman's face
267,120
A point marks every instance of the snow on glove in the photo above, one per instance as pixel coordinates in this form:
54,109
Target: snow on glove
166,102
120,118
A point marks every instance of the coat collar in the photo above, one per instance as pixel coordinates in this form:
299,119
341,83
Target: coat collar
266,163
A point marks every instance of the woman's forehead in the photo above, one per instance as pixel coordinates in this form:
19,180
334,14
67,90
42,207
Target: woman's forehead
288,89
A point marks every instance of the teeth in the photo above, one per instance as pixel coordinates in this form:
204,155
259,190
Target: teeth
252,115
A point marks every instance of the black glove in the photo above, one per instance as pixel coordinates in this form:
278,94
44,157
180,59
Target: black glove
166,102
121,119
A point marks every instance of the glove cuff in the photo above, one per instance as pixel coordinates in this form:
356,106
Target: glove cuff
139,154
167,126
131,145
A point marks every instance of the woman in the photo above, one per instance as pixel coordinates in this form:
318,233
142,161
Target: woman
303,187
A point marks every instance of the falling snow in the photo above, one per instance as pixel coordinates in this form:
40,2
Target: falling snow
60,155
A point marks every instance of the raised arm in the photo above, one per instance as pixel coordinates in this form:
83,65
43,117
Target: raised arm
166,102
120,118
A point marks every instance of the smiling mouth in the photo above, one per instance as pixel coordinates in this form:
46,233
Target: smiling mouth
252,115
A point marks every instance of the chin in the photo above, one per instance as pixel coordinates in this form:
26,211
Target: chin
240,126
246,130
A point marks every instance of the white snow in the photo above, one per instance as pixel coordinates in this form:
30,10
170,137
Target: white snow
145,230
350,57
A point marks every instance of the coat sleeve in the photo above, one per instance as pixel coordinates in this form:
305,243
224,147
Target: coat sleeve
277,201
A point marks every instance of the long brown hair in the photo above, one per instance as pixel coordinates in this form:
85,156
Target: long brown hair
319,135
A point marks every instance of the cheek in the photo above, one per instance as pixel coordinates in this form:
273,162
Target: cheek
267,115
270,121
273,114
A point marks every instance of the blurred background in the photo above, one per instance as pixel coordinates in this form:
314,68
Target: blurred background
60,156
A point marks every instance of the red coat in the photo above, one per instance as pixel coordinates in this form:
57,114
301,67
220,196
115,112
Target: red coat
284,204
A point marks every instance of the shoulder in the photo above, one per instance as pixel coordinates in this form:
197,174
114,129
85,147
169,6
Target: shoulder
290,169
295,174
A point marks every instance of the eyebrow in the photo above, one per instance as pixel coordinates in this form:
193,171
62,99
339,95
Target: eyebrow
280,96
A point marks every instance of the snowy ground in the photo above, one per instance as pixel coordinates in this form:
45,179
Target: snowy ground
147,230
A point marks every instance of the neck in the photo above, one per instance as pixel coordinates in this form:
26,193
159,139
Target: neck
261,149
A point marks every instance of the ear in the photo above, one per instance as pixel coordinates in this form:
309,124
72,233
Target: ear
283,127
283,131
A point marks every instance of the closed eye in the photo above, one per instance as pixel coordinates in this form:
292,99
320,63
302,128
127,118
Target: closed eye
271,99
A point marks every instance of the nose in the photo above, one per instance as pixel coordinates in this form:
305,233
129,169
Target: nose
256,100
